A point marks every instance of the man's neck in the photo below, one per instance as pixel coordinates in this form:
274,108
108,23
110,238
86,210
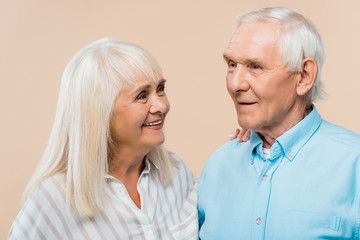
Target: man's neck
270,135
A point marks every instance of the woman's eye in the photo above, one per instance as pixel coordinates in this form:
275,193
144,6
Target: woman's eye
161,88
141,96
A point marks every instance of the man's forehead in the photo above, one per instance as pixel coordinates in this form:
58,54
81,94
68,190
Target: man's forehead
256,42
256,31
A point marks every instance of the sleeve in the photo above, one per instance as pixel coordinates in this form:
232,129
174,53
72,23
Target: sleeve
201,212
202,191
357,218
185,181
41,216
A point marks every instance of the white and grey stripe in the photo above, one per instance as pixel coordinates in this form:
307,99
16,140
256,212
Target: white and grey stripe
167,212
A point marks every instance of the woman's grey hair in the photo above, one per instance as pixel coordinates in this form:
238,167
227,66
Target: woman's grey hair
80,142
298,39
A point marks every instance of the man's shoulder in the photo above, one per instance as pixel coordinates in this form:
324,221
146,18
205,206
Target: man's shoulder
231,146
340,136
229,152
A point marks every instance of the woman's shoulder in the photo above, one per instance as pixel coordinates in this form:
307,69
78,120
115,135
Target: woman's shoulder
42,212
51,189
181,169
186,184
50,194
182,177
57,181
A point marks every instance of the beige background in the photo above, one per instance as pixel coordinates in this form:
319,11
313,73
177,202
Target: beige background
187,37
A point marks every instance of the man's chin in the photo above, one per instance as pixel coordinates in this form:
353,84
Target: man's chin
245,125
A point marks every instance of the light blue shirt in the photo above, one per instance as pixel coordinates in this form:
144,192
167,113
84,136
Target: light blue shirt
308,189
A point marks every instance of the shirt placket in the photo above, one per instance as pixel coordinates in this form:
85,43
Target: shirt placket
149,229
145,224
266,171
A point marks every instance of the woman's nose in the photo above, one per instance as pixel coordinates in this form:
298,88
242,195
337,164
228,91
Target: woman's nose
159,104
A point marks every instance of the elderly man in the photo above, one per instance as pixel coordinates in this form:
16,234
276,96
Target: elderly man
299,176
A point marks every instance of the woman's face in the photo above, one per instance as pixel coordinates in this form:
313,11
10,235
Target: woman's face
138,116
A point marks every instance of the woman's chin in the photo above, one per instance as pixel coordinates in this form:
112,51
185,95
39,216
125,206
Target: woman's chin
153,143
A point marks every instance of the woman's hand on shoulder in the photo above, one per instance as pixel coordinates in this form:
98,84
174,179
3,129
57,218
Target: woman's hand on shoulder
242,135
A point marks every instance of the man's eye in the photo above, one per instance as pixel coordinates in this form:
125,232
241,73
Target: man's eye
232,64
255,67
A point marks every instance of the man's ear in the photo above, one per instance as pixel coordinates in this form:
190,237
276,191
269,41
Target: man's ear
308,76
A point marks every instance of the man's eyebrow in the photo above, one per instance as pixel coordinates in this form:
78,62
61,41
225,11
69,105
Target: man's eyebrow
253,61
226,57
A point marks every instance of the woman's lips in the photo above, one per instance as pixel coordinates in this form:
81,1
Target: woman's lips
155,125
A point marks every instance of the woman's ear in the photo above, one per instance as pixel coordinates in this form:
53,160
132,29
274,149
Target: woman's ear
308,76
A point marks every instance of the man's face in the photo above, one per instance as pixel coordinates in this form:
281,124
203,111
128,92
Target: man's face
263,91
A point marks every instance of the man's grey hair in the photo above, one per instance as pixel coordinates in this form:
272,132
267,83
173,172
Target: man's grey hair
298,39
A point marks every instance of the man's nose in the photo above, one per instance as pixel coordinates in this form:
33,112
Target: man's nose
238,80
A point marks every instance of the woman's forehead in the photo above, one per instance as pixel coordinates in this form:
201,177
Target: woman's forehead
143,83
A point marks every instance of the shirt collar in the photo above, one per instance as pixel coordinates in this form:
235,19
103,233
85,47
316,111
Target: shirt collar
255,143
148,163
294,139
291,141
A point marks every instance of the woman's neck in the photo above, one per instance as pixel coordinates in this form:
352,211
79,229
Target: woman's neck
126,166
126,163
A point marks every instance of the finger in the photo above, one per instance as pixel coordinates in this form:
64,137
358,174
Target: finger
241,135
247,135
244,135
234,134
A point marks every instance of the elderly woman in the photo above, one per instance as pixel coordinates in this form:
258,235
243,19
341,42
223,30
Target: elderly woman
105,173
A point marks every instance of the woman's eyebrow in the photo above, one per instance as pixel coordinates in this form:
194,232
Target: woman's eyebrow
162,81
147,86
141,88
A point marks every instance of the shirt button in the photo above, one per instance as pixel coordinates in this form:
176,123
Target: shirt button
258,221
265,177
258,151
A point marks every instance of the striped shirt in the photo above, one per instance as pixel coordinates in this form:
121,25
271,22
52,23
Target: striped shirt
167,212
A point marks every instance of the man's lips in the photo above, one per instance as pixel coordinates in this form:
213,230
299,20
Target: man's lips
246,103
